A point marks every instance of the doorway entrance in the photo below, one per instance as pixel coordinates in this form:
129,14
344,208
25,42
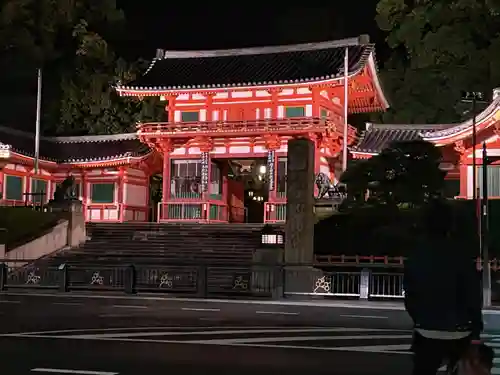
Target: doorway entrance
155,196
248,189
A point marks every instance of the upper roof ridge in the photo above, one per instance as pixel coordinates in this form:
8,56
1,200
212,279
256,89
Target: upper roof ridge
361,40
373,126
94,138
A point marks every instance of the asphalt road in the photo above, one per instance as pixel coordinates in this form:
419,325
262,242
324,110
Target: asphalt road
116,336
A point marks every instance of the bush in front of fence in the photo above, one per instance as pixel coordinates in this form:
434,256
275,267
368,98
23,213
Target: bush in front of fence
382,231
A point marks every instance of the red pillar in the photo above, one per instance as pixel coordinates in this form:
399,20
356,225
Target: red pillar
166,185
225,190
121,187
1,183
463,180
317,162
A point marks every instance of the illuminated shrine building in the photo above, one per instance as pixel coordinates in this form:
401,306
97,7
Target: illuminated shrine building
455,142
221,155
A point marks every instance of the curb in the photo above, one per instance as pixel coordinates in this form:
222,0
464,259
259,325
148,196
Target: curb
301,303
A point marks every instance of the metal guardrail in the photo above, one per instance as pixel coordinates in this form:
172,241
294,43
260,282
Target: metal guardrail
206,280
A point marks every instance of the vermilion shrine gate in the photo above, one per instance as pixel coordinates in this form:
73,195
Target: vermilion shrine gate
238,108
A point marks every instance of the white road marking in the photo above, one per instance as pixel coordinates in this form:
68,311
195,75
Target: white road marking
208,342
94,334
199,309
65,371
391,349
145,328
67,303
365,316
300,338
277,313
129,307
224,332
320,348
210,319
7,301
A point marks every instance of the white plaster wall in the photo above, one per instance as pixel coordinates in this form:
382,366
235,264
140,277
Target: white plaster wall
470,183
135,195
309,110
110,214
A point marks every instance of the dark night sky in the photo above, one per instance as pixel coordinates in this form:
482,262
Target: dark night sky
163,24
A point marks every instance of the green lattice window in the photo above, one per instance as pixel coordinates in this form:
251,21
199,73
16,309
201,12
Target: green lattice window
103,193
190,116
294,112
39,191
324,113
13,188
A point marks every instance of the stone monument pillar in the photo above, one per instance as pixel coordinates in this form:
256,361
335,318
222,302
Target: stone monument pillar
299,227
72,210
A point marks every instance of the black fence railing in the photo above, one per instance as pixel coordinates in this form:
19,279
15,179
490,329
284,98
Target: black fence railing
204,280
211,279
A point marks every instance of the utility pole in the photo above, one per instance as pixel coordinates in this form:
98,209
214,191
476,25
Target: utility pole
485,256
38,119
346,110
474,98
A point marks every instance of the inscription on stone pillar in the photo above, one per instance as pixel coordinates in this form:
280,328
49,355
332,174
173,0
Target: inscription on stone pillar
204,172
299,240
270,169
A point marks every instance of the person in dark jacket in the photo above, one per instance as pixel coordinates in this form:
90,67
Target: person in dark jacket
442,292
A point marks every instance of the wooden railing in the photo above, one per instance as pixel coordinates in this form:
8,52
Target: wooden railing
192,211
274,212
288,126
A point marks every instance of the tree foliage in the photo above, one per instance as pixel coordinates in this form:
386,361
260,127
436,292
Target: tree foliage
404,173
439,50
72,41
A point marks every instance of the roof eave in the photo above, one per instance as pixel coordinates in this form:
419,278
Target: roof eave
156,91
464,129
377,83
121,160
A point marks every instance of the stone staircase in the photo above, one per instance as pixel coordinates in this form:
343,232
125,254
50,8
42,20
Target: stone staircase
153,243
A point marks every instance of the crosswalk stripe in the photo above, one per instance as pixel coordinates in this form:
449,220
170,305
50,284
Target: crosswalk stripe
493,341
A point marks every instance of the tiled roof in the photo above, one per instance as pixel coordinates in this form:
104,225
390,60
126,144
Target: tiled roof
74,149
453,129
177,70
376,137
